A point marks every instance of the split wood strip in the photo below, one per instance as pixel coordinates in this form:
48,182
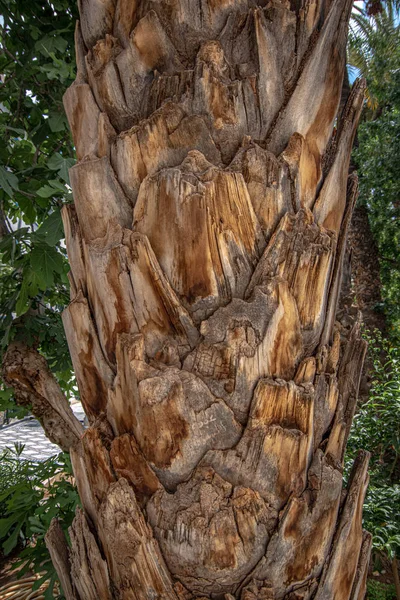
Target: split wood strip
22,589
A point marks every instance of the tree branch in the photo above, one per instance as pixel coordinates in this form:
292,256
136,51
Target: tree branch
34,385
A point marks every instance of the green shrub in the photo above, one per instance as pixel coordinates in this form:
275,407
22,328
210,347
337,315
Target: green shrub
380,591
376,428
31,494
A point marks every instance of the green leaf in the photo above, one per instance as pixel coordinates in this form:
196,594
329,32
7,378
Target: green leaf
46,262
51,231
57,122
49,44
22,304
11,542
27,207
8,181
47,191
55,187
33,279
61,164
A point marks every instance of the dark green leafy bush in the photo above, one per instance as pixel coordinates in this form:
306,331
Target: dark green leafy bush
380,591
376,428
31,494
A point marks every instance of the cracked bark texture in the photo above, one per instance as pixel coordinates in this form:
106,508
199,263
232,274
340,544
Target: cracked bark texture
206,242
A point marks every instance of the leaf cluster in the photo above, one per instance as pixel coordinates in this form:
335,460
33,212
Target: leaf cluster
31,495
380,591
376,427
37,65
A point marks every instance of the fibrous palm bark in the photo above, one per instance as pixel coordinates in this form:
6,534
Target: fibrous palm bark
206,242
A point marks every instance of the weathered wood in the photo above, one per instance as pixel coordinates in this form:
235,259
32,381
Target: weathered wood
360,582
57,546
349,381
246,341
99,199
211,534
267,182
206,243
176,405
337,275
128,462
129,293
298,550
312,107
274,453
134,559
92,371
88,569
202,228
301,253
83,116
340,572
35,386
163,140
330,206
73,240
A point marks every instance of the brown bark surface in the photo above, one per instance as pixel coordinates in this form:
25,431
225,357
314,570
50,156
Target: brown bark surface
212,204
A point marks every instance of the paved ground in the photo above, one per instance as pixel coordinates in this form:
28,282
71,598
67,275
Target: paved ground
30,434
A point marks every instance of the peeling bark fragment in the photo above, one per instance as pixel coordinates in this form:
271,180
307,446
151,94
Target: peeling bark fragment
304,173
96,18
204,233
105,80
360,581
57,546
163,140
129,293
73,241
99,199
192,21
275,451
210,533
349,381
224,99
93,471
311,17
170,407
125,19
246,341
129,463
337,275
92,371
83,117
276,27
302,254
80,53
135,561
330,206
298,550
326,401
267,182
339,574
312,107
88,569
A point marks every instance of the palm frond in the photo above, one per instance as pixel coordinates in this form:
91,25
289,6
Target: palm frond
374,40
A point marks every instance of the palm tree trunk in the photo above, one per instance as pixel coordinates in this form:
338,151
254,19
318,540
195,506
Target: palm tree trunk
206,242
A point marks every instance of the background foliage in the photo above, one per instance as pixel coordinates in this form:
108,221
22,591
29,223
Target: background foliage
31,495
376,427
374,50
36,67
